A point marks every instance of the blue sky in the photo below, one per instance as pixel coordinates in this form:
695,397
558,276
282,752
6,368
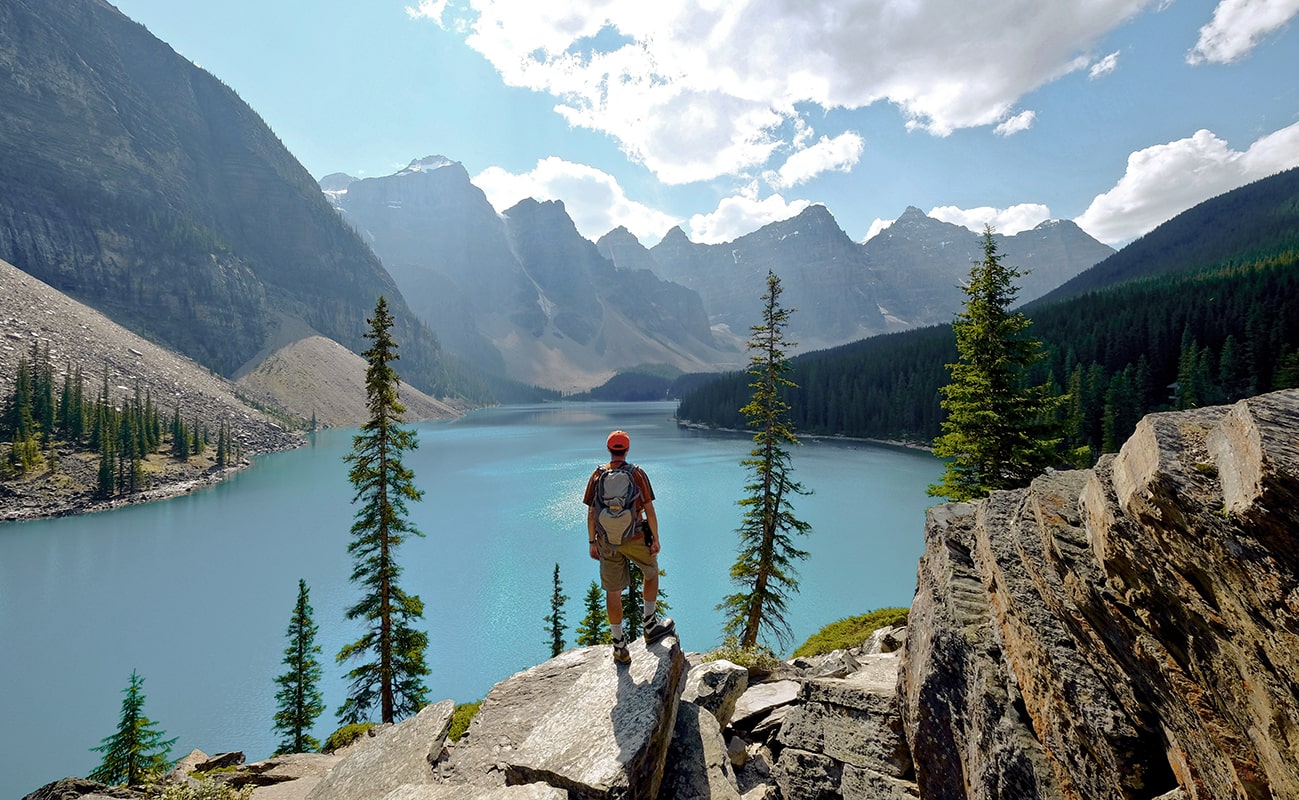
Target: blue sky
723,115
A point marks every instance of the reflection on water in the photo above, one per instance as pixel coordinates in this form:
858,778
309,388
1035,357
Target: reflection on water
195,593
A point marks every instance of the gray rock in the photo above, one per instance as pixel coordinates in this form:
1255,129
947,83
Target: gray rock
529,791
737,751
864,784
83,789
293,776
761,698
397,755
716,686
180,771
768,726
580,722
855,721
219,761
698,764
888,639
807,776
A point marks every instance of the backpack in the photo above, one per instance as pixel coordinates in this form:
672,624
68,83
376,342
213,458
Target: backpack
617,509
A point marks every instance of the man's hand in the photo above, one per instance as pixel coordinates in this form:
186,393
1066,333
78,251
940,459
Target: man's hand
595,550
655,546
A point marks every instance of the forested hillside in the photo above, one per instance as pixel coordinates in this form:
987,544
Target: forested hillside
1178,340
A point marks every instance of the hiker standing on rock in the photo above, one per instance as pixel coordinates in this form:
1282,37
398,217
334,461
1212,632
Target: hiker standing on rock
621,526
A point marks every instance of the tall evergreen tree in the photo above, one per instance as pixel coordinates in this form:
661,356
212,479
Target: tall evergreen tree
392,678
137,751
555,619
299,701
997,434
594,627
764,569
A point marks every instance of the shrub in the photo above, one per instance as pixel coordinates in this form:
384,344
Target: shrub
460,719
758,660
346,735
850,632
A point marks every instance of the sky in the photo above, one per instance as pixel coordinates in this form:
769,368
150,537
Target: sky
721,116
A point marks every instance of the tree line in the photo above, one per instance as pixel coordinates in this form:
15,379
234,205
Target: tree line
45,418
1174,341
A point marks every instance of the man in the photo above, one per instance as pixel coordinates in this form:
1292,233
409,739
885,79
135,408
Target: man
621,526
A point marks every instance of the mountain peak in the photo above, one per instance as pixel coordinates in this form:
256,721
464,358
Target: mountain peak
430,163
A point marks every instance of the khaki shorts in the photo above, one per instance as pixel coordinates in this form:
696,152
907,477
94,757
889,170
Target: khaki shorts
614,574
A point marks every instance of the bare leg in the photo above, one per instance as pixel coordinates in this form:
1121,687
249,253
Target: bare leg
613,604
650,585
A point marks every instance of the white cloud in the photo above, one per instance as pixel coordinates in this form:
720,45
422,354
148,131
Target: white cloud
1166,179
877,227
1013,125
428,9
593,198
1009,221
1104,67
696,89
838,154
1238,26
741,214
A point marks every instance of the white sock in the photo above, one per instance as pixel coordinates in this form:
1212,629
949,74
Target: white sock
615,630
650,608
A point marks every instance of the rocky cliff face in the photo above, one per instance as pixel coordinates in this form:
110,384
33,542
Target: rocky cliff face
1129,631
1124,631
139,184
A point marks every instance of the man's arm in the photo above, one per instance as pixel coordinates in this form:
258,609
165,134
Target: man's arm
653,521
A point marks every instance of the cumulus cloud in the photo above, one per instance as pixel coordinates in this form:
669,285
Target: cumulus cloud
877,227
838,154
593,198
696,89
1104,67
1166,179
1013,125
740,214
1238,26
1009,221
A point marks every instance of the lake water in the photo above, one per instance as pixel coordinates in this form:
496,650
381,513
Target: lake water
195,593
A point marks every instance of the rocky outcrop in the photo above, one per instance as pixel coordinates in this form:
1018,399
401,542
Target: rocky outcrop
578,722
1125,631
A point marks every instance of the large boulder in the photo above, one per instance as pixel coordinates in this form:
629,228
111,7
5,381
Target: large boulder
580,722
698,766
395,756
716,686
854,722
1127,631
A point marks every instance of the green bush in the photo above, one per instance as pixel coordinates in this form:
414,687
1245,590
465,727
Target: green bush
850,632
345,735
759,661
460,719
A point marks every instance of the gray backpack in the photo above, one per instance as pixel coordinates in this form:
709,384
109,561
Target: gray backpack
616,494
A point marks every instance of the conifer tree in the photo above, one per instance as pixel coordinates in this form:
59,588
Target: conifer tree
137,751
764,570
594,627
392,678
555,619
179,437
633,602
998,433
299,698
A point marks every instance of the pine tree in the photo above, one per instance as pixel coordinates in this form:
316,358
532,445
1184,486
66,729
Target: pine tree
393,678
764,569
998,432
633,602
137,751
299,699
179,437
594,627
555,619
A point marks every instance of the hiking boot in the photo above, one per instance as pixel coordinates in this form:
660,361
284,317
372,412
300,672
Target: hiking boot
620,652
657,628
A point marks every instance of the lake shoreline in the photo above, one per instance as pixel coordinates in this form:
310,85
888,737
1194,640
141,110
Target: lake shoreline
826,437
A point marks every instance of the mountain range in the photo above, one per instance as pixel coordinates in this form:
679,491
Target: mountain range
138,183
524,294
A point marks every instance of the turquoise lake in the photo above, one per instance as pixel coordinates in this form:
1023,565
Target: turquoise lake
195,593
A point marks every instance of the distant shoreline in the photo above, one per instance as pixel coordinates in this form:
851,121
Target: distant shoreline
828,437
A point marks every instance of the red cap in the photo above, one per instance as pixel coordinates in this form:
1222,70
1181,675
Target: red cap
618,441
